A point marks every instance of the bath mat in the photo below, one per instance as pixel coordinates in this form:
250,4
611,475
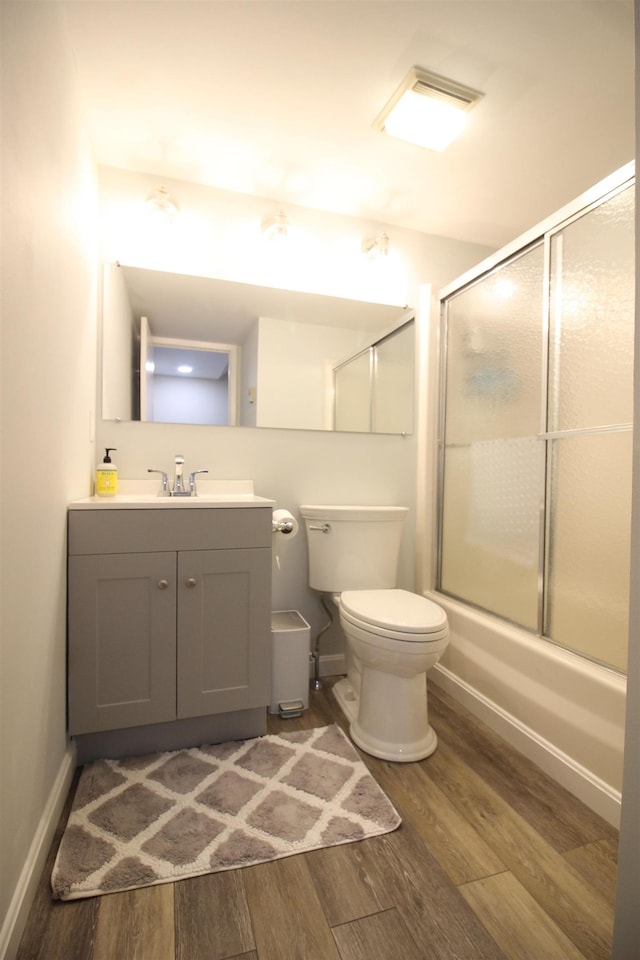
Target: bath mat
168,816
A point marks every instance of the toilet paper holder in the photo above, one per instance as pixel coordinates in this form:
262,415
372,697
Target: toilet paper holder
282,521
281,525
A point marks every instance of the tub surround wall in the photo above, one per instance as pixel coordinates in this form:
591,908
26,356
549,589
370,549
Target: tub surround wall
562,711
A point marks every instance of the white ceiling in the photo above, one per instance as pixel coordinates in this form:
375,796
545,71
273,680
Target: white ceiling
277,99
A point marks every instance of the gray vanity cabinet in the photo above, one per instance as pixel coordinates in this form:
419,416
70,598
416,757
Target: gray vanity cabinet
169,614
122,640
224,630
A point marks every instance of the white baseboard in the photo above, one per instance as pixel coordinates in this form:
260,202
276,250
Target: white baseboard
595,793
331,665
18,911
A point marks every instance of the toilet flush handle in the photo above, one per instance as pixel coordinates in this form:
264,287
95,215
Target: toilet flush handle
323,528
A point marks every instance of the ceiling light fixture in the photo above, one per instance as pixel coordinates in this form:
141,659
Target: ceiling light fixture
427,110
161,203
276,228
376,247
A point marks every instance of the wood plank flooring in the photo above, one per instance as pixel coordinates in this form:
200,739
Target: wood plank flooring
493,861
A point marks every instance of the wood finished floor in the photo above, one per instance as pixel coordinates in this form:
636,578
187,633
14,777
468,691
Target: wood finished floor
493,861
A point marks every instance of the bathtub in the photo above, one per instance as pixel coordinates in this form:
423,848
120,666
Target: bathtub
562,711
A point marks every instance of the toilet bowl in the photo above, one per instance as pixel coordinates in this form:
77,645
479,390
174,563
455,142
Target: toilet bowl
395,636
392,636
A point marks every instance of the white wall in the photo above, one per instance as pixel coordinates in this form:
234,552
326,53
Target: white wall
218,235
626,934
49,197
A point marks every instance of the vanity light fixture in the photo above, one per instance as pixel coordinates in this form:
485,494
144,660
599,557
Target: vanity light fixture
161,203
375,247
276,228
427,110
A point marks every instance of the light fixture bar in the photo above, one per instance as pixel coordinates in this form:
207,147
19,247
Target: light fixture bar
161,203
375,247
427,110
276,228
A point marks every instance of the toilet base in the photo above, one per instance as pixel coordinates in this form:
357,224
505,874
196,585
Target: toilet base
399,753
391,720
347,698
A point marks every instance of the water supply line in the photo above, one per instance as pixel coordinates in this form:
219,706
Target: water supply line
315,656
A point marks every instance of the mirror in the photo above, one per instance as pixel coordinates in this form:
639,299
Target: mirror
186,349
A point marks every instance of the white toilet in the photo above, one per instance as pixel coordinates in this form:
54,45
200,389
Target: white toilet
393,636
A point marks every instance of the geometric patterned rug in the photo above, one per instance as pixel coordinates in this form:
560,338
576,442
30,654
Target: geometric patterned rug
168,816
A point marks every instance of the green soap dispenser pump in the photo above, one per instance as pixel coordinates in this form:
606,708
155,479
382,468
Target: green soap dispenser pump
107,476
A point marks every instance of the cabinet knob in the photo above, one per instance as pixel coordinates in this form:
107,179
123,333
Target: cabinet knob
191,582
163,584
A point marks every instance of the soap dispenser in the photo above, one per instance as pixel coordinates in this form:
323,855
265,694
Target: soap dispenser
107,476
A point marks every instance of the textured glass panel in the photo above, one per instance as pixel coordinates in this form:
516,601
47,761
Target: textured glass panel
494,353
491,510
588,552
393,383
592,318
353,394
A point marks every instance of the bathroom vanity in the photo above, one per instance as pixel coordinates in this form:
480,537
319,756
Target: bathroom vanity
169,621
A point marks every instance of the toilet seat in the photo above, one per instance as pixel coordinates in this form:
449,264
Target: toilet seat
394,614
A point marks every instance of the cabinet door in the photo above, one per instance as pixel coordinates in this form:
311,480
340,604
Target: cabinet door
122,636
224,631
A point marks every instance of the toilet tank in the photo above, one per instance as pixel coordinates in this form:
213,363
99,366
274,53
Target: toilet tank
353,547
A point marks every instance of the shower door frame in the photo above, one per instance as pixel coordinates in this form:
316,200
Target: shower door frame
539,235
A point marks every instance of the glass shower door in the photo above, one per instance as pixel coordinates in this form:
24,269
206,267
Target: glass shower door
536,436
591,327
493,465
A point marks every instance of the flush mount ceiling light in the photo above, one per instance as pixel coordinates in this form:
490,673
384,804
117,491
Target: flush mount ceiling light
427,110
161,203
376,247
275,228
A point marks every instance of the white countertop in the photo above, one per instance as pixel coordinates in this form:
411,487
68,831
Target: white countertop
147,501
143,494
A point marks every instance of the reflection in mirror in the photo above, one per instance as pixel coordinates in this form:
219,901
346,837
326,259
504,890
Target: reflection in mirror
374,391
187,381
282,348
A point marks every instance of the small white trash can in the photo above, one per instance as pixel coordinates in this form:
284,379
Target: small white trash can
290,647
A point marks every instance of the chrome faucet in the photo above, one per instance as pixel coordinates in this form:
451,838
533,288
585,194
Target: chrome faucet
164,489
192,482
178,484
178,489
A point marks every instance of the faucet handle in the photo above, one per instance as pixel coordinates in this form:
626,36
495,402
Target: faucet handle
164,489
192,482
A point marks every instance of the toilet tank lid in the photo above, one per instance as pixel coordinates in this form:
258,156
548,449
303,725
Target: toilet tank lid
399,609
355,512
